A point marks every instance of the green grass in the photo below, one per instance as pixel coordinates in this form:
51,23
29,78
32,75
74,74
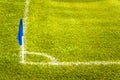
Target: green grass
12,10
85,31
36,58
78,1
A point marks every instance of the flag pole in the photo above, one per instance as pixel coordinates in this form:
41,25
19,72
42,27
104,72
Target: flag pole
23,50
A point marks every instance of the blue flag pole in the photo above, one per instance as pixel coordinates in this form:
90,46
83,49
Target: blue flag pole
20,32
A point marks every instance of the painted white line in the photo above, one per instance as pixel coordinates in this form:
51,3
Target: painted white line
26,13
74,63
53,59
24,26
23,51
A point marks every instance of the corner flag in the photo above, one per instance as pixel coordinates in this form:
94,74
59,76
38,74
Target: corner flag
20,32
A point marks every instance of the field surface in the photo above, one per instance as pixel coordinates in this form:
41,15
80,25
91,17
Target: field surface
69,30
74,30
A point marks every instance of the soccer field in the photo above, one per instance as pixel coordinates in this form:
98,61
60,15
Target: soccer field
73,31
69,31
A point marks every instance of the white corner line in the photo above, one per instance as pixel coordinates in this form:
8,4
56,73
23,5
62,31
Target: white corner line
54,61
75,63
24,26
22,52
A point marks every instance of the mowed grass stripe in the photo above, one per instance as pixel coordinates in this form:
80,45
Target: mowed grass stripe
78,31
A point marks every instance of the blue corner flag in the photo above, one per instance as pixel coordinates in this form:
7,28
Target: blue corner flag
20,32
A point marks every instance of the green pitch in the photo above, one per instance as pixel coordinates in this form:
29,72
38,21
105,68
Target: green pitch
69,30
74,31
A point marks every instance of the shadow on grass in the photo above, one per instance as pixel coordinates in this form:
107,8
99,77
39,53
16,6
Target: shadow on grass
81,1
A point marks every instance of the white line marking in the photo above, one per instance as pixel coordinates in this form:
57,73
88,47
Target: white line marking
53,59
26,12
23,51
74,63
24,26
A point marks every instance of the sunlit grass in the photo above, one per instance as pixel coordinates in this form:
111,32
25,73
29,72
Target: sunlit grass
42,35
36,58
78,31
